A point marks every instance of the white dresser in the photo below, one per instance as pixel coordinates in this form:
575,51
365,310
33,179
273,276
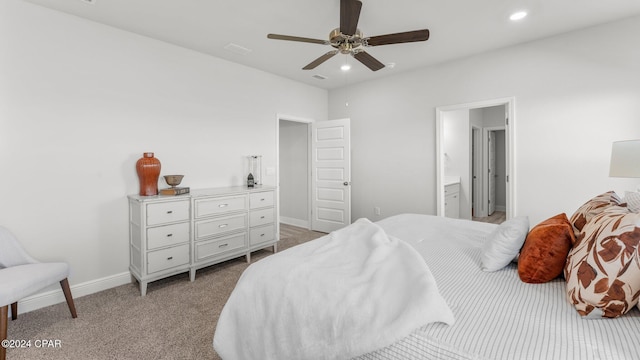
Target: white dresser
169,235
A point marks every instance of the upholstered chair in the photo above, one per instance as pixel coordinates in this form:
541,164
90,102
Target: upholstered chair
21,275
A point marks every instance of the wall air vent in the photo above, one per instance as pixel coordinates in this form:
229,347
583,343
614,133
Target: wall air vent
237,49
319,77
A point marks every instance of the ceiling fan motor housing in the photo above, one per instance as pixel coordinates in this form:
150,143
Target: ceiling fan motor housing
345,43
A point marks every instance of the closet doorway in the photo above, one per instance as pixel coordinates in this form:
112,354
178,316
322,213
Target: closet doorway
294,168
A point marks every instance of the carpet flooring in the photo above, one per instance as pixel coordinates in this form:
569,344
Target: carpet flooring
175,320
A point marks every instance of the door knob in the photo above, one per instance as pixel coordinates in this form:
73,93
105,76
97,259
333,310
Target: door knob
346,183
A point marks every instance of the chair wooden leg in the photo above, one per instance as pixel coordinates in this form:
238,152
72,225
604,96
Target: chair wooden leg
67,294
4,313
14,310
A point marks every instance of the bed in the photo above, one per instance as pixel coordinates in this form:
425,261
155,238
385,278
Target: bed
495,314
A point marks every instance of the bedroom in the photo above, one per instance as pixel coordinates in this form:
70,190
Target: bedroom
79,98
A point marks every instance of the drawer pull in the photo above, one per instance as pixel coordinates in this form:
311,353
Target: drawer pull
223,226
223,205
261,234
262,199
261,217
170,258
222,245
169,235
170,212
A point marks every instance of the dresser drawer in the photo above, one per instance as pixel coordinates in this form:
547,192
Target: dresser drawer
213,227
167,258
161,213
261,217
167,235
219,206
261,234
451,189
261,199
213,248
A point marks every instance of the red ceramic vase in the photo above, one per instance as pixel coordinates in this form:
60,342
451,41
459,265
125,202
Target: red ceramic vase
148,168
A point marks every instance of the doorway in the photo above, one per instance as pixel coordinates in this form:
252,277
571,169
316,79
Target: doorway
496,170
463,133
293,172
313,173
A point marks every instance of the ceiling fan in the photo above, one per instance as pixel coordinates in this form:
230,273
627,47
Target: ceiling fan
348,39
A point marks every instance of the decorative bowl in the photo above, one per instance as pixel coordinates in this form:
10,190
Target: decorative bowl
173,180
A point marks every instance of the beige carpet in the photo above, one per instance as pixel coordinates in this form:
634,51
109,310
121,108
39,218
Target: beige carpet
176,320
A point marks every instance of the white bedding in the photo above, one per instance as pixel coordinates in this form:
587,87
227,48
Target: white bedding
497,315
345,294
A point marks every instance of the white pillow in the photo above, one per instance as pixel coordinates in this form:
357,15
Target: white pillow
632,198
504,243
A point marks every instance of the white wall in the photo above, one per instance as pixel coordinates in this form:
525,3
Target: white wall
493,116
457,159
574,95
79,104
294,166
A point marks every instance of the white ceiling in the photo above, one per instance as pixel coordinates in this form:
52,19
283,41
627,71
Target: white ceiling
459,28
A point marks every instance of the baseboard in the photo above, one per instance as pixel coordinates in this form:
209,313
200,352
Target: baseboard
294,222
53,297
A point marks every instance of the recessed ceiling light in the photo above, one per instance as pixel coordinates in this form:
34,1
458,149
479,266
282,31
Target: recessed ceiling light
345,67
518,15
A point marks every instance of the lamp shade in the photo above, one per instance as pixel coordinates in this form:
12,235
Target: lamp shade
625,159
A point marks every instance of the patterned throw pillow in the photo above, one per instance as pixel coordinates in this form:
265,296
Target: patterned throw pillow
603,269
545,250
633,201
592,208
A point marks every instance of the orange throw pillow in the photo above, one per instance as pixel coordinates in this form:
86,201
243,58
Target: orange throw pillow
545,250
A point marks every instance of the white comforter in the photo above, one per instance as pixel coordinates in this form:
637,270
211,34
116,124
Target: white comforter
348,293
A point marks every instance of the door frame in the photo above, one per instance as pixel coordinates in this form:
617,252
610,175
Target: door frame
308,122
485,160
510,140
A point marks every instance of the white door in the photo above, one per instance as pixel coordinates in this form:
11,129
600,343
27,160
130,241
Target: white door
331,175
477,209
492,172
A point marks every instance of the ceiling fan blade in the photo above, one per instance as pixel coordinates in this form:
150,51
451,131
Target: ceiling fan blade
349,16
368,60
320,60
296,38
403,37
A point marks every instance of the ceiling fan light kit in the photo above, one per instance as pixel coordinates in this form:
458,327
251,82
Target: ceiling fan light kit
348,39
